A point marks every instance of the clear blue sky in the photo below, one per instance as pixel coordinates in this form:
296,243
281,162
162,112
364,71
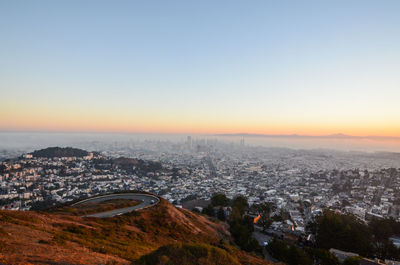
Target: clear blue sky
311,67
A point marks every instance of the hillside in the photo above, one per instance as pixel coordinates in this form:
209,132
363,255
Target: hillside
60,152
163,234
133,165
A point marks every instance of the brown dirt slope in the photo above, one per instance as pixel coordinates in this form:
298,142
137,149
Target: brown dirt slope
62,238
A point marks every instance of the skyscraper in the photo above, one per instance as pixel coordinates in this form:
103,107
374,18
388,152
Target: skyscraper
189,142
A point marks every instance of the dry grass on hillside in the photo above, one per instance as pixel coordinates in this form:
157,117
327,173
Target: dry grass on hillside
43,238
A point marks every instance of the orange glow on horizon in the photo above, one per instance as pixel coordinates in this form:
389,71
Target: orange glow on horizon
155,126
84,120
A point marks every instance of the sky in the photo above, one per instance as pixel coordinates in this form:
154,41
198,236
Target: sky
266,67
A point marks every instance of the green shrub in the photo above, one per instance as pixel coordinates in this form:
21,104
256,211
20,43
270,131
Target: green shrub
188,254
352,261
60,238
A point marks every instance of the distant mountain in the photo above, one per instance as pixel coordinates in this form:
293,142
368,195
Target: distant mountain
330,136
60,152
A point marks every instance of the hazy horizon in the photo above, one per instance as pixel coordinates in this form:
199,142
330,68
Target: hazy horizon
28,141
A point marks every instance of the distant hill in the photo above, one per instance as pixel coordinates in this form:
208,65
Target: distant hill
141,166
162,234
60,152
123,162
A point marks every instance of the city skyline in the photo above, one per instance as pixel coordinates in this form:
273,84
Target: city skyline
307,68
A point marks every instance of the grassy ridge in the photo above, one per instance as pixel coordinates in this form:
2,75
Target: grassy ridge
41,237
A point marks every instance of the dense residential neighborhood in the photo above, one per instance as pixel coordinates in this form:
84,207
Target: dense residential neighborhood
296,186
198,169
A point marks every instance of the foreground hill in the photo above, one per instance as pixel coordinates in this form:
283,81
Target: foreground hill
158,235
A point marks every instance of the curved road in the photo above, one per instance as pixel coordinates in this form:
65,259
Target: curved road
146,201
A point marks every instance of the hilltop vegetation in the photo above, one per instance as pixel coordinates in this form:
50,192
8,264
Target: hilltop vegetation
60,152
138,166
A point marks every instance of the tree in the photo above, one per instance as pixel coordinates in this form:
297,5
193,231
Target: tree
291,255
311,227
352,261
278,249
241,226
297,256
264,210
209,210
219,199
221,214
3,168
323,256
381,230
344,232
241,231
241,204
